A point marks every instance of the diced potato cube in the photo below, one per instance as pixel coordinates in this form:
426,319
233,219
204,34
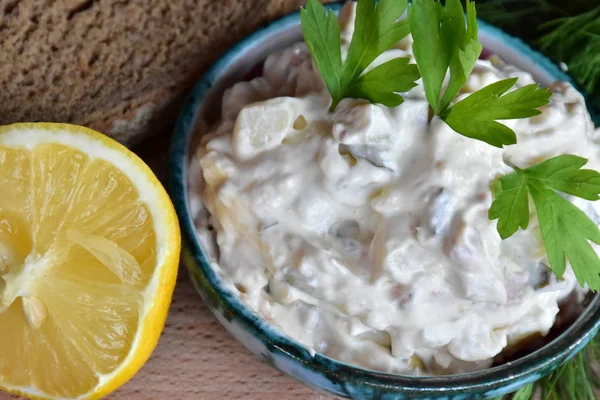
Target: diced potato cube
262,126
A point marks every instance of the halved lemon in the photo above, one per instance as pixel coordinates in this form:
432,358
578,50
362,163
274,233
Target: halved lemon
89,250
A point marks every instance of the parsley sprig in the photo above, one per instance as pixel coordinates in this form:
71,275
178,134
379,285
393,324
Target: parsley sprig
376,29
566,229
443,45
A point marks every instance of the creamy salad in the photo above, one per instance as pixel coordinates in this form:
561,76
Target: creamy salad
364,233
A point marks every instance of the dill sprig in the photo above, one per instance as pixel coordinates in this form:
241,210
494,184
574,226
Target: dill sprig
577,379
567,31
577,39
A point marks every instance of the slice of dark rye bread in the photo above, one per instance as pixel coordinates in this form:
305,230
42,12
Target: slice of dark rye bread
118,66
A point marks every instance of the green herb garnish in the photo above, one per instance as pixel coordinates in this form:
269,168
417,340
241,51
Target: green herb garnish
476,115
441,42
566,229
577,379
567,31
444,44
376,29
524,393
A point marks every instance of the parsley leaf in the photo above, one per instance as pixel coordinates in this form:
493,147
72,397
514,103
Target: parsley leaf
511,204
564,173
441,42
376,29
382,82
321,31
466,52
476,115
566,229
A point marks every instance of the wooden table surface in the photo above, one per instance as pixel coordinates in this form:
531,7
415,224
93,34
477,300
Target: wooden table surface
196,357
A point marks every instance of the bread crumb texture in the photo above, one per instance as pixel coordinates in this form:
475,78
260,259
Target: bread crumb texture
118,66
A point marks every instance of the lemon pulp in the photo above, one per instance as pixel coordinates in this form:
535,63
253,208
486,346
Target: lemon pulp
77,256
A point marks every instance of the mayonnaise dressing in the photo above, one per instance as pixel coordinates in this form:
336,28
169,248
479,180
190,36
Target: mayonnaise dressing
363,233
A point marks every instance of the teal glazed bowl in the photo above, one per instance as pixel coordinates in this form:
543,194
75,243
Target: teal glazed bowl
319,371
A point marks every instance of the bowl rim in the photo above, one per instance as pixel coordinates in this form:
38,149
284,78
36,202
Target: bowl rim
505,378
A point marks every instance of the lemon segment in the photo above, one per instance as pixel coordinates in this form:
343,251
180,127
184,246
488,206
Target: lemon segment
89,251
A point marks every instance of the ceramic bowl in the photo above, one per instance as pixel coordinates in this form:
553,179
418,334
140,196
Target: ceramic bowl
289,356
